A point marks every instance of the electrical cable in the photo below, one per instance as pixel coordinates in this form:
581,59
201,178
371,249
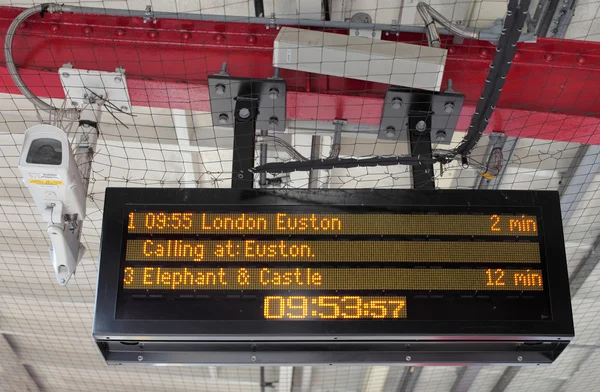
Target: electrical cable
505,52
327,164
430,15
72,114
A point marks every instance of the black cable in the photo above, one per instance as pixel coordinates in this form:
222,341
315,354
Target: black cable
326,164
505,52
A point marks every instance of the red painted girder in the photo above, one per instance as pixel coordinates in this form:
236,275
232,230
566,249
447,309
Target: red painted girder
551,93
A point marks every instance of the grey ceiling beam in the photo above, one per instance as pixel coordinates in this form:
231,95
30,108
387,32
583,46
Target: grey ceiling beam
465,378
410,378
13,374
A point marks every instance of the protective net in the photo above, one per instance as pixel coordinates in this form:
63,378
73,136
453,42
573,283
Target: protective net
159,127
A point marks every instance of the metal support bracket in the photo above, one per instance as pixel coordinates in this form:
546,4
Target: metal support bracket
271,95
87,87
445,110
420,118
244,136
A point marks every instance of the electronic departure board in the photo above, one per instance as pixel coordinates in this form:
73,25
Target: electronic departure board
332,265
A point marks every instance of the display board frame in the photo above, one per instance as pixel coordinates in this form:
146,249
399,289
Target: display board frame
107,326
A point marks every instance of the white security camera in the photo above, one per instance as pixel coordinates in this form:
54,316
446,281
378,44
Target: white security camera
50,172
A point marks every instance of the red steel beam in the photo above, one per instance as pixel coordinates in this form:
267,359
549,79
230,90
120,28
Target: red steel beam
552,91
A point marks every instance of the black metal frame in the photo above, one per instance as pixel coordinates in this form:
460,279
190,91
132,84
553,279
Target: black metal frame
244,137
107,327
420,141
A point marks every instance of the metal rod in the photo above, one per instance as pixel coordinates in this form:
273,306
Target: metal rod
262,379
253,20
315,153
262,179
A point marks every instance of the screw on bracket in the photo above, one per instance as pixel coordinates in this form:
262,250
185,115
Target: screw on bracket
220,89
223,118
396,103
421,126
149,15
244,113
390,132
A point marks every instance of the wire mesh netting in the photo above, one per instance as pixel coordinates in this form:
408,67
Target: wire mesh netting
541,133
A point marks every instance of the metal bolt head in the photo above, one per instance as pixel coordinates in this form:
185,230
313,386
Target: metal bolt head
273,93
118,79
124,108
273,121
440,135
253,358
449,107
408,358
421,126
520,358
220,89
140,358
65,75
62,281
390,132
223,118
74,104
396,103
244,113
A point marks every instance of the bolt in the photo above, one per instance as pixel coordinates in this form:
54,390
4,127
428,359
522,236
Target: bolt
483,52
88,30
140,358
390,132
548,57
74,104
356,32
240,176
23,25
120,32
223,118
449,107
396,103
54,28
440,135
273,121
273,93
219,37
220,89
62,281
253,358
65,75
124,108
185,36
244,113
153,34
581,60
421,126
520,358
517,55
408,358
251,39
452,50
118,79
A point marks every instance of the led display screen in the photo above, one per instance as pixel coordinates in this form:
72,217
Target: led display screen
290,263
